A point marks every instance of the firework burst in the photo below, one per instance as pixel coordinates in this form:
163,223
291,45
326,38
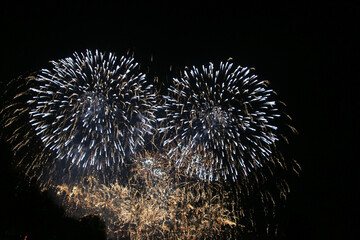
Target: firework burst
78,127
224,115
90,111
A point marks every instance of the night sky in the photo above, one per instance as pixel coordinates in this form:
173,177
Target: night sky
305,50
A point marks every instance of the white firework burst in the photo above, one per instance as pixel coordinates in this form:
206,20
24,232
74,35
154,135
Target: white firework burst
91,110
224,115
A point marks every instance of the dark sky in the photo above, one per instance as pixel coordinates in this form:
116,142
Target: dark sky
303,49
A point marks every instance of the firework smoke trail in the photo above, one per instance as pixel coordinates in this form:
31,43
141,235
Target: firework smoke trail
90,112
225,115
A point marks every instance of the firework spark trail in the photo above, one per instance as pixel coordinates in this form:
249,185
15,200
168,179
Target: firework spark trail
91,111
225,115
159,208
